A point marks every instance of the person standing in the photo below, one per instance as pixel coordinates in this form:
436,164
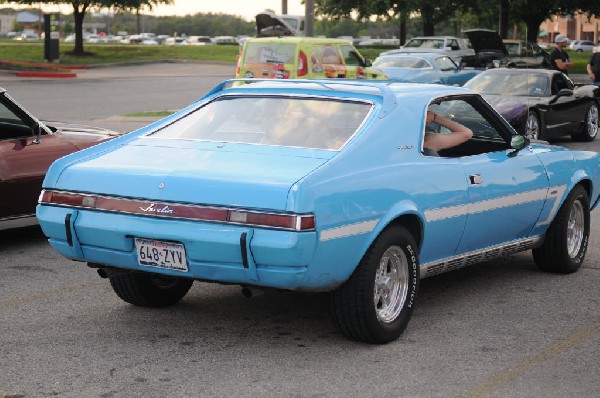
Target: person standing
593,68
559,58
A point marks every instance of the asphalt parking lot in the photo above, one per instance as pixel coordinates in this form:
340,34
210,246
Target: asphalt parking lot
497,329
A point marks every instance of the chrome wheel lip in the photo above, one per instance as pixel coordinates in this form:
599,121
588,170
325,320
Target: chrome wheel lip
592,121
575,229
532,127
391,284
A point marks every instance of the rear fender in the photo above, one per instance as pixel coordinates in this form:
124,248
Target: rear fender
394,216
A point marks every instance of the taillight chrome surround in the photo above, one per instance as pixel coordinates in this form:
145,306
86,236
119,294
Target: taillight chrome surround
148,208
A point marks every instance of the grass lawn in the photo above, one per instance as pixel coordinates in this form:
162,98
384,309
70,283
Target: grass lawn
117,53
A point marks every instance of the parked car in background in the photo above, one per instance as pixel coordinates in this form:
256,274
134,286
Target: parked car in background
314,185
172,41
423,68
303,57
453,47
492,51
197,41
225,40
581,45
27,148
541,104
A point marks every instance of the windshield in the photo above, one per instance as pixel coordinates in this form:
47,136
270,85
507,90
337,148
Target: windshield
401,62
509,84
425,43
283,121
445,63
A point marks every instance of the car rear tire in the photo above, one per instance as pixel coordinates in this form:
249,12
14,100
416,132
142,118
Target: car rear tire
376,302
567,237
148,290
590,129
533,128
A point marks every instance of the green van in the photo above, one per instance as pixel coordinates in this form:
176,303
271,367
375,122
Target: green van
303,58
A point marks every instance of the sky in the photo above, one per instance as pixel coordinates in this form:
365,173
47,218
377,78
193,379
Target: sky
244,8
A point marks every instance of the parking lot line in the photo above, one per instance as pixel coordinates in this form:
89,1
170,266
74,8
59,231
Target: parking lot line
521,368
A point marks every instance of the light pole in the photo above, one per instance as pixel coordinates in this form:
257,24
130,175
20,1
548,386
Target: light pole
283,7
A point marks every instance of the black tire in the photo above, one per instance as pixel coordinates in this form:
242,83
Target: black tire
533,126
567,238
357,312
148,290
590,128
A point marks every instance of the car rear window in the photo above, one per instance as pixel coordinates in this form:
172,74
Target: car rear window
269,53
282,121
402,62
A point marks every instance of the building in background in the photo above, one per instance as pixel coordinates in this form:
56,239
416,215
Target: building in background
575,27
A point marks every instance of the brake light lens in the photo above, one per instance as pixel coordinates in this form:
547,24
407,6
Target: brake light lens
286,221
302,64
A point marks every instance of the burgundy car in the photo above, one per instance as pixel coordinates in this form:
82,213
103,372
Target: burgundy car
27,148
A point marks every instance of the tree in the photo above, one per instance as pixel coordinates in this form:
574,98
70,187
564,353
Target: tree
137,6
80,8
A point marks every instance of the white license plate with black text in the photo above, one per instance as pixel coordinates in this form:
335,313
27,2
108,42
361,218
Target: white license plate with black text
160,254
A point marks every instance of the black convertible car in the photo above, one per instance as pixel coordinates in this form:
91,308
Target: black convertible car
541,104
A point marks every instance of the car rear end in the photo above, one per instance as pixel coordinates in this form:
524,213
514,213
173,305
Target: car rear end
226,205
272,59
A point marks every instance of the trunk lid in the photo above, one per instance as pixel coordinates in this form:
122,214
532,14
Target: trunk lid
210,173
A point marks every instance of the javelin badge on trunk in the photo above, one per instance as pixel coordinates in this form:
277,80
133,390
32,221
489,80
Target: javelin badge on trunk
159,210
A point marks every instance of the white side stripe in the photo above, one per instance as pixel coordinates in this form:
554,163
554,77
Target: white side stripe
491,204
348,230
557,193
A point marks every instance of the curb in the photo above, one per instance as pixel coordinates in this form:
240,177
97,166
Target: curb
46,74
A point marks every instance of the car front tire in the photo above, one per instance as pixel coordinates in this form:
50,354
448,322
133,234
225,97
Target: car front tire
148,290
376,303
567,237
533,128
590,129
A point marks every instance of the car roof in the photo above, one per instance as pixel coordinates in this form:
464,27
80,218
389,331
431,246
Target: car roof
406,54
296,39
386,92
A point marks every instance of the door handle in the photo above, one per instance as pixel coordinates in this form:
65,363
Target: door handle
475,179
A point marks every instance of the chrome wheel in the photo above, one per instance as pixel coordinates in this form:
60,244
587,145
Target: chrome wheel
532,127
391,284
592,121
575,229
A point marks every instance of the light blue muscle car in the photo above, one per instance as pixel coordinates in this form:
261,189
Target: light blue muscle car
318,186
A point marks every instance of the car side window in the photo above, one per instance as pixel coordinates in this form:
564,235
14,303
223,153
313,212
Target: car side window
454,45
487,136
11,125
350,56
558,83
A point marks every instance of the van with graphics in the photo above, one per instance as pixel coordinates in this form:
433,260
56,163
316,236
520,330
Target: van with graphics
303,58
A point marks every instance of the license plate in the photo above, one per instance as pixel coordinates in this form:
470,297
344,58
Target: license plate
160,254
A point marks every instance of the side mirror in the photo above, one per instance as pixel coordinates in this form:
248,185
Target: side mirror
564,92
368,63
519,142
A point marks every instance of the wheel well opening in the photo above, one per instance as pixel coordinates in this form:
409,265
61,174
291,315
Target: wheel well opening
587,185
414,226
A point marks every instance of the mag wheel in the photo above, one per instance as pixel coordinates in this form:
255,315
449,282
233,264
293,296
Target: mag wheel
376,303
590,129
149,290
567,237
532,126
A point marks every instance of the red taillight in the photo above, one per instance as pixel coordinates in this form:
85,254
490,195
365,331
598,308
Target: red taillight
302,64
67,199
360,74
293,222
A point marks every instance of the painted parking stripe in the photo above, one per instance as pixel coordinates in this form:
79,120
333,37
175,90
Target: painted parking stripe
348,230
